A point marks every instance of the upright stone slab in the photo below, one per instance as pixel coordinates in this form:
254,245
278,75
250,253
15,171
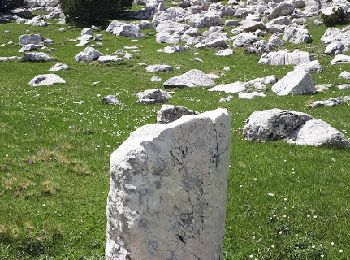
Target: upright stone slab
167,197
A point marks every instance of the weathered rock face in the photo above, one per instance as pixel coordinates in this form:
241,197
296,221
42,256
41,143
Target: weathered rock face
274,124
46,80
168,190
293,127
297,82
190,79
170,113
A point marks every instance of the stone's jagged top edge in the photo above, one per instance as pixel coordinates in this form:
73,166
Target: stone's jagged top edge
149,132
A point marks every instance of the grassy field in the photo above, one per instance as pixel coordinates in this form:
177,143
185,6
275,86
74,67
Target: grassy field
284,201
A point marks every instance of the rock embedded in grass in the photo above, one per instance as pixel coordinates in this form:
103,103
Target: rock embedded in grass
293,127
190,79
59,67
26,39
36,57
110,100
297,82
167,196
46,80
159,68
151,96
89,54
170,113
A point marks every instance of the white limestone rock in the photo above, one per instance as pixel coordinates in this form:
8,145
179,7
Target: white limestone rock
159,68
284,57
274,124
340,58
152,96
190,79
297,35
297,82
170,113
89,54
167,197
110,100
310,67
124,29
231,88
316,132
26,39
58,67
336,47
251,95
37,57
46,80
109,59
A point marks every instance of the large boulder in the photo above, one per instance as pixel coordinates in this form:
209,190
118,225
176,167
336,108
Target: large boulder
274,124
293,127
34,39
168,183
316,132
190,79
297,82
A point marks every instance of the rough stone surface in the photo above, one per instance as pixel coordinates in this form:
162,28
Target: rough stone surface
59,67
167,197
159,68
316,132
36,57
293,127
274,124
110,100
192,78
170,113
89,54
46,80
297,82
283,57
151,96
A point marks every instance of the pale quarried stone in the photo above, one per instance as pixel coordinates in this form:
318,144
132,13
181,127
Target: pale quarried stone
170,113
167,197
297,82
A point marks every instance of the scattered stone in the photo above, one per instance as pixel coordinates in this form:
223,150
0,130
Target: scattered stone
345,75
36,57
283,57
343,86
89,54
250,95
46,80
168,190
159,68
310,67
323,87
109,59
190,79
297,35
151,96
340,58
156,79
170,113
297,82
330,102
316,132
336,47
293,127
34,39
226,52
226,99
110,100
124,29
59,67
12,58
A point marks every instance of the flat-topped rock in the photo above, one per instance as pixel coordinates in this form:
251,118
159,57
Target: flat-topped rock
190,79
46,80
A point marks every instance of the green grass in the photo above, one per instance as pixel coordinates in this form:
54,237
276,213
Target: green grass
54,156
